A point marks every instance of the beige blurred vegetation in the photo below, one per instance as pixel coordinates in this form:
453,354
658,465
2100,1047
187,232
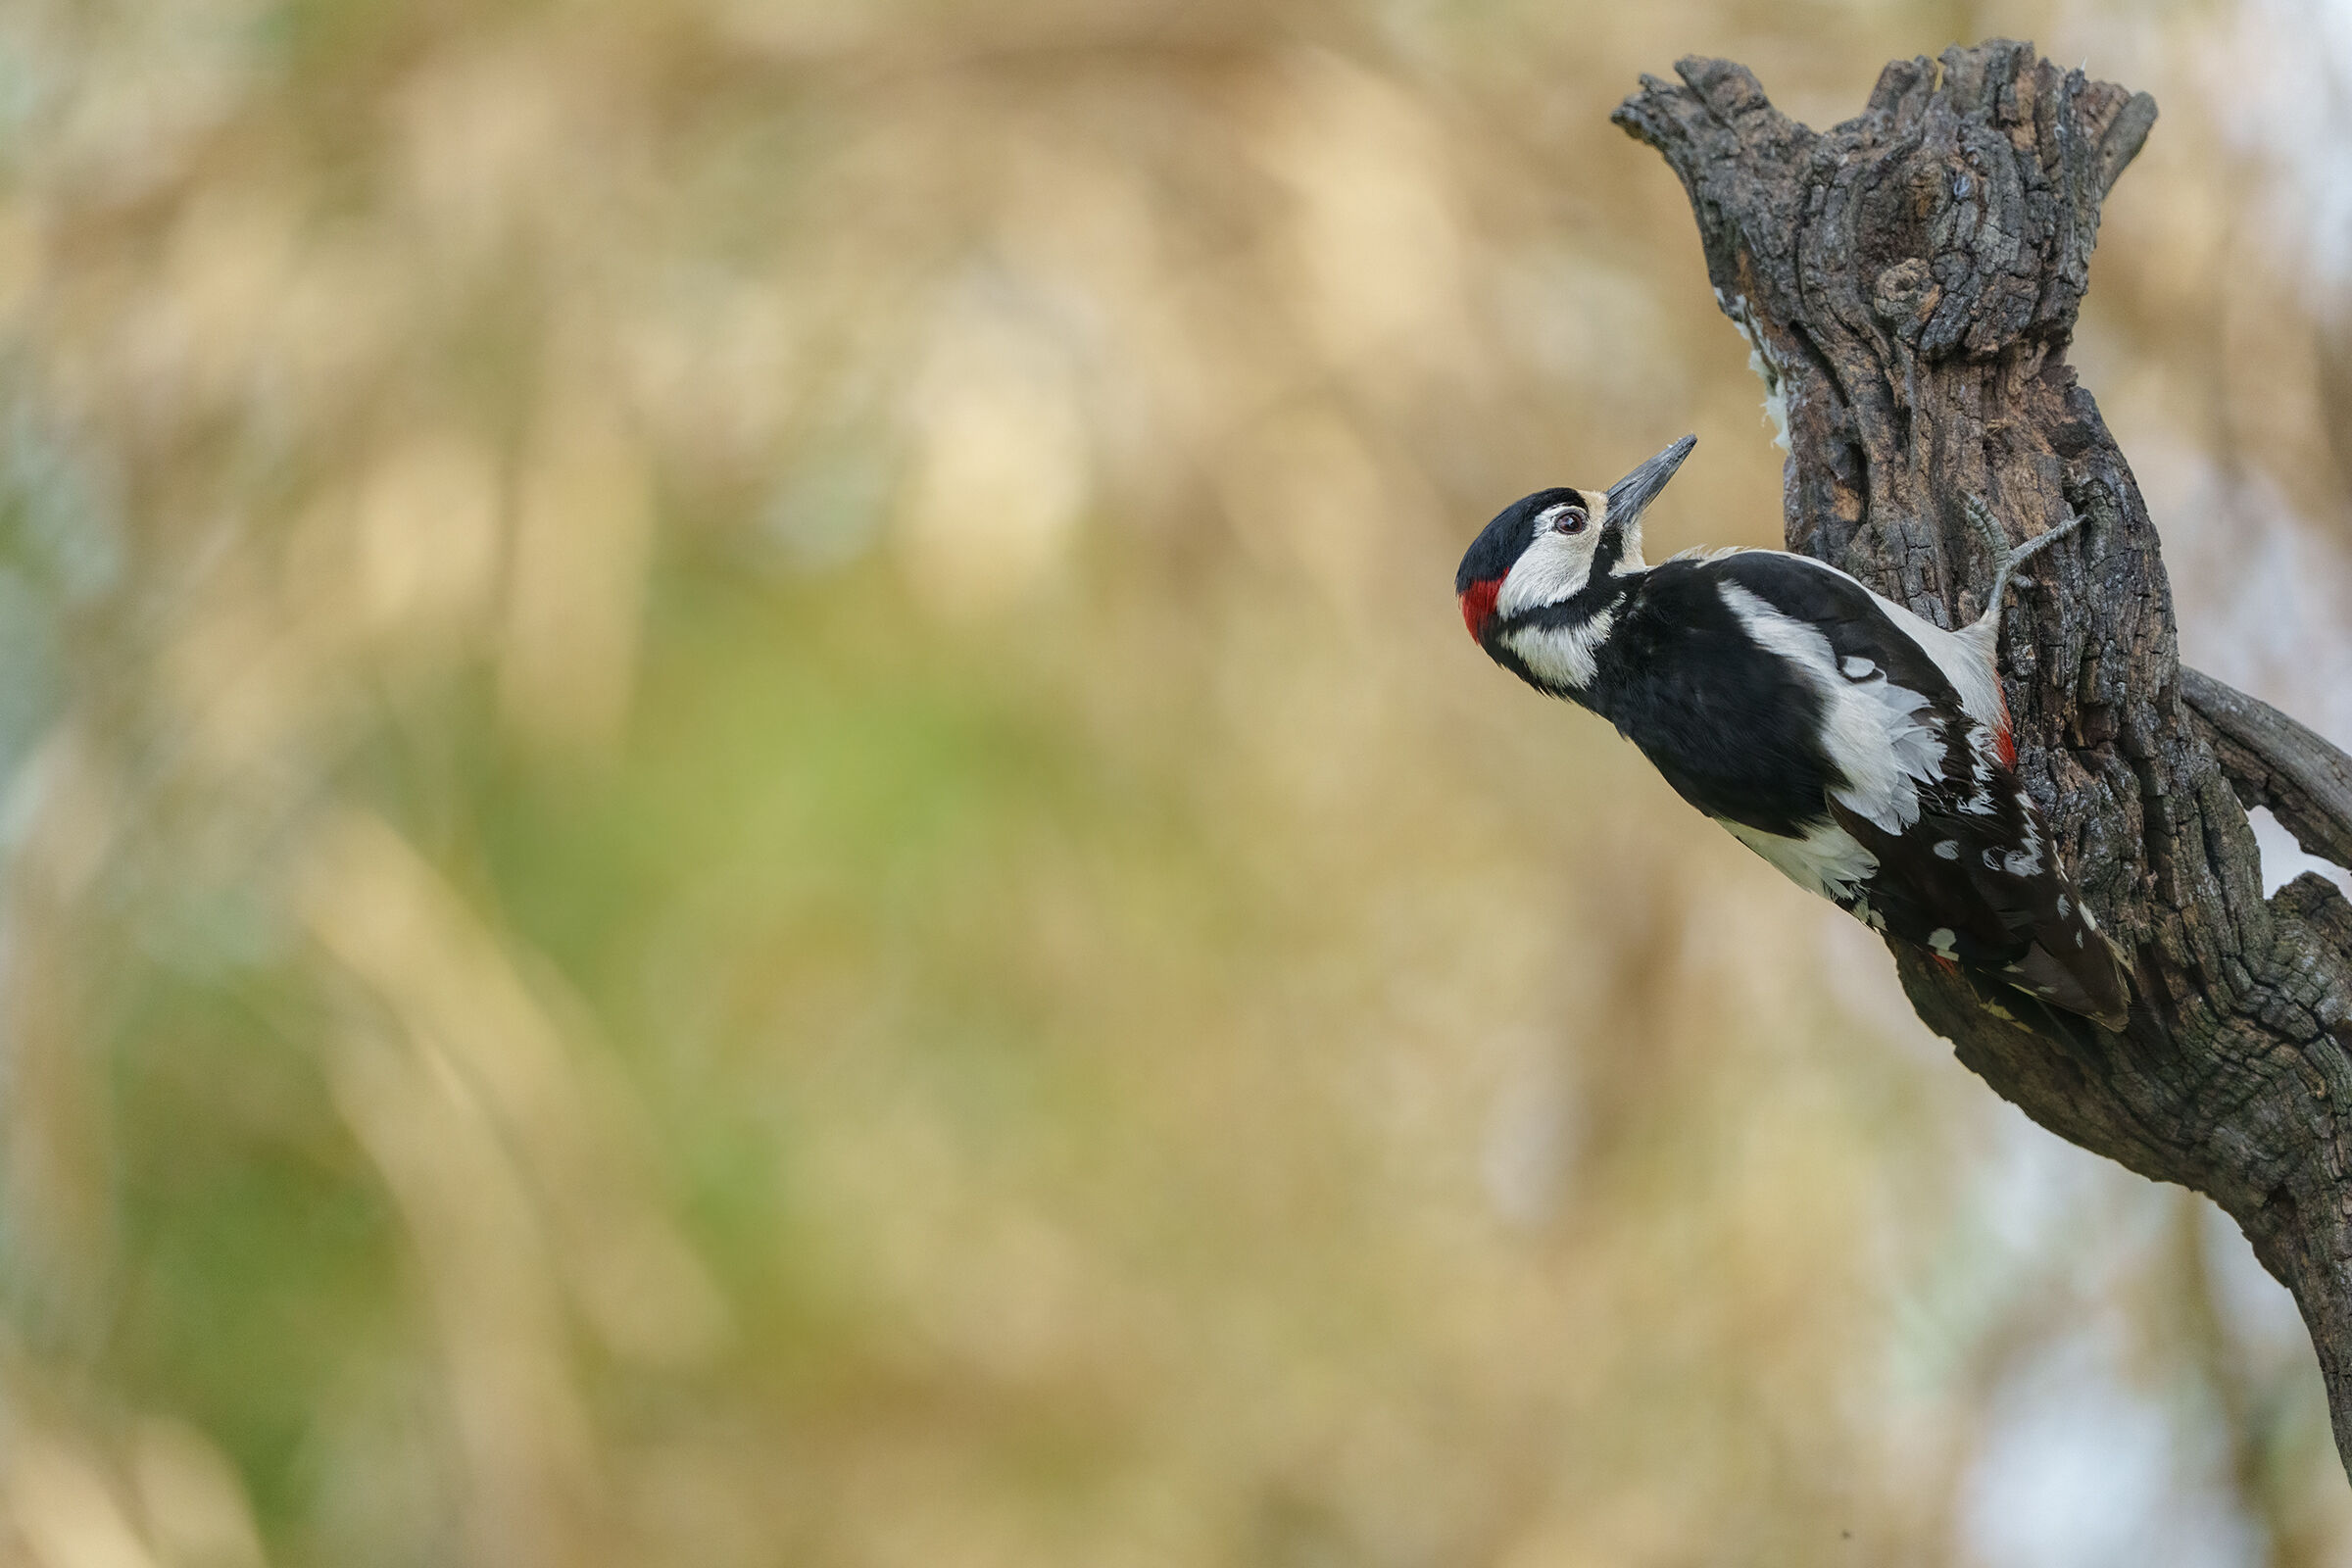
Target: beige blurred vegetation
747,825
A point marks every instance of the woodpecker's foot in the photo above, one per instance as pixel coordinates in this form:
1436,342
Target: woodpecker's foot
2074,520
1996,538
2014,559
1996,543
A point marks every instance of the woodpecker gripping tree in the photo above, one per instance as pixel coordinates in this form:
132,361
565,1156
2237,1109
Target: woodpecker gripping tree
1862,750
1909,281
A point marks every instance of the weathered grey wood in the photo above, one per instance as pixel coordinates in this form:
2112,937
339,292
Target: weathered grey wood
2271,760
1911,279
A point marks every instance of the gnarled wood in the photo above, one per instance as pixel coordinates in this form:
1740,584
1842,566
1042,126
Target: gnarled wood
1910,280
2271,760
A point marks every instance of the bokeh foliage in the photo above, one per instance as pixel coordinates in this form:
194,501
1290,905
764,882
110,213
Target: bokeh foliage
746,824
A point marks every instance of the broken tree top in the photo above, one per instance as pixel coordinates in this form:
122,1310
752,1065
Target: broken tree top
1959,208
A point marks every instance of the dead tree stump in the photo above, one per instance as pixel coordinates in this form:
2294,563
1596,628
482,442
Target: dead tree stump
1910,281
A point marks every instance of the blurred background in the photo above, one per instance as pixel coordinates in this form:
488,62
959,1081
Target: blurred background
745,823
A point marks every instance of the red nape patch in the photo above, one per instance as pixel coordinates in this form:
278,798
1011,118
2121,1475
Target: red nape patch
1478,603
1943,963
2001,740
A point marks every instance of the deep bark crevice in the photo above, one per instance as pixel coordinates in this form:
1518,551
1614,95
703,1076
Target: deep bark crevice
1910,280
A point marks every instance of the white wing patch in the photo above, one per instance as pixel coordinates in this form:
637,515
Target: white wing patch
1871,728
1826,861
1961,654
1563,655
1965,661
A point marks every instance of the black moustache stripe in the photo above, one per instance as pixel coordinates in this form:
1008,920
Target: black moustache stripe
1606,553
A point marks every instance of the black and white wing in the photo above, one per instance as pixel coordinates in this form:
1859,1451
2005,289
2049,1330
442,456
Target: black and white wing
1926,830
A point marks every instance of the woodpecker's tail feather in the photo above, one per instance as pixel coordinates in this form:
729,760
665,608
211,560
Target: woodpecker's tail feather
2072,964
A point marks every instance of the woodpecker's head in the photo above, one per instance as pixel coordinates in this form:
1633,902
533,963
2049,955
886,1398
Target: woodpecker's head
1544,548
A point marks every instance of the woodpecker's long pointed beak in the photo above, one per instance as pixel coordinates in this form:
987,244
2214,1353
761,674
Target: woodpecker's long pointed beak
1629,495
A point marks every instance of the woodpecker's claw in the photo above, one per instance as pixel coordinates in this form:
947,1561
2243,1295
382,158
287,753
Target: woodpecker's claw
2011,557
1996,538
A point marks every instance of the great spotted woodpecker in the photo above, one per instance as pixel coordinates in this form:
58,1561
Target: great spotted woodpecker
1862,750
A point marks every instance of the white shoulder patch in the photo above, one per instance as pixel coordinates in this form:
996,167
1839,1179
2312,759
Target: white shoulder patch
1963,660
1705,552
1872,729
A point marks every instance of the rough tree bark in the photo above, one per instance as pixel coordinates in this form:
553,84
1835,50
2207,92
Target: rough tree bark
1909,281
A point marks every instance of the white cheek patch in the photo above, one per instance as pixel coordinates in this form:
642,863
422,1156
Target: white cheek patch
1550,570
1563,657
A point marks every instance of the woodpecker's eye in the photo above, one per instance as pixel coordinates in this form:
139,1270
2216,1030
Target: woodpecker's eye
1571,520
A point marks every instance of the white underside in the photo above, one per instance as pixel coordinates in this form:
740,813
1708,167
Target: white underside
1826,861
